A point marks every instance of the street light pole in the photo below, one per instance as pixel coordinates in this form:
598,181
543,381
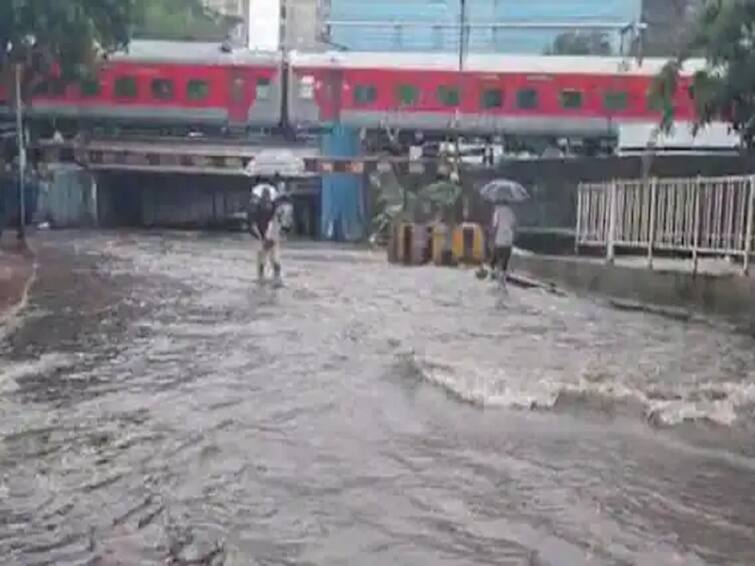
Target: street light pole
462,32
21,156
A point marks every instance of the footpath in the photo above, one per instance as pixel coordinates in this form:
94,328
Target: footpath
717,288
17,269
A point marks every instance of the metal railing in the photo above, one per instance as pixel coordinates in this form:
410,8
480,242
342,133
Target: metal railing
698,217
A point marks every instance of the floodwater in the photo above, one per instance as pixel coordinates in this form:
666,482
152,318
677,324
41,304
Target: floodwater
158,407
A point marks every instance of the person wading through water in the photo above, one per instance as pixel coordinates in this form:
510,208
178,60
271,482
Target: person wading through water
266,224
503,232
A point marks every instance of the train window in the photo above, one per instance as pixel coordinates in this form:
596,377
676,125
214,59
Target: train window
571,99
90,88
238,85
307,87
448,95
197,90
50,87
125,87
527,99
616,100
263,88
162,89
407,95
365,94
492,98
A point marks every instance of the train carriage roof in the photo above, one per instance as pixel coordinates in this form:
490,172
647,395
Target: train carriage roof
484,63
188,52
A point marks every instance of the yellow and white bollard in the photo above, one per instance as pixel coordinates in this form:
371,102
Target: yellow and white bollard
468,244
442,245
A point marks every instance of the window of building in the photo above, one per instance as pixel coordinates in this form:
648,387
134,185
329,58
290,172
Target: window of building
263,88
162,89
125,87
197,90
527,99
448,95
571,99
90,88
365,94
616,100
408,95
492,98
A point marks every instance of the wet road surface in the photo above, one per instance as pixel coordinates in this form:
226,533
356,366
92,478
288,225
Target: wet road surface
158,407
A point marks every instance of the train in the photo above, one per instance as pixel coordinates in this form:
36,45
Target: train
197,86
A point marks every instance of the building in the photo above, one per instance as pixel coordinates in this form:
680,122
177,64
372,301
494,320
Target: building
433,25
272,25
302,24
670,23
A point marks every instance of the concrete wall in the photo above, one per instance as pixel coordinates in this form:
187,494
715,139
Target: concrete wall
67,199
64,198
170,201
732,296
190,201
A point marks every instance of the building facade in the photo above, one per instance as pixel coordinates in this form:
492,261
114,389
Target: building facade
302,24
433,25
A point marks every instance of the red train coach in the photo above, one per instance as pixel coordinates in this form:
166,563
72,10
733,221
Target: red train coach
541,95
171,83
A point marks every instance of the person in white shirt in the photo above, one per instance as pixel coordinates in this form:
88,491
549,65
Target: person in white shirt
503,233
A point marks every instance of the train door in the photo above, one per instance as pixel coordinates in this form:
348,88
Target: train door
240,98
332,95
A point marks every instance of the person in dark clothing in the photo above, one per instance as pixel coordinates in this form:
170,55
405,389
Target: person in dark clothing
264,225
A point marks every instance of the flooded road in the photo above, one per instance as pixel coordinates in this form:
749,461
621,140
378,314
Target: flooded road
158,407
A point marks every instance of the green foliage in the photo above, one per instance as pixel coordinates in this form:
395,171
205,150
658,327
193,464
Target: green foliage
182,20
725,89
581,43
68,37
69,33
441,196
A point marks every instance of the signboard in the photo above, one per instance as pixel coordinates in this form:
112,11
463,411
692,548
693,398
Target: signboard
276,161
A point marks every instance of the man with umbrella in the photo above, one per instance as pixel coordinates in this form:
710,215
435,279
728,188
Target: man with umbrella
266,220
502,193
503,231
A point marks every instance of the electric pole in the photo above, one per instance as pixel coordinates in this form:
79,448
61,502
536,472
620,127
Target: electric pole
462,55
462,32
21,156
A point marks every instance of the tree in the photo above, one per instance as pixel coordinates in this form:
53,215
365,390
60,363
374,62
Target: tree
183,20
670,23
62,37
581,43
66,38
59,39
725,88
